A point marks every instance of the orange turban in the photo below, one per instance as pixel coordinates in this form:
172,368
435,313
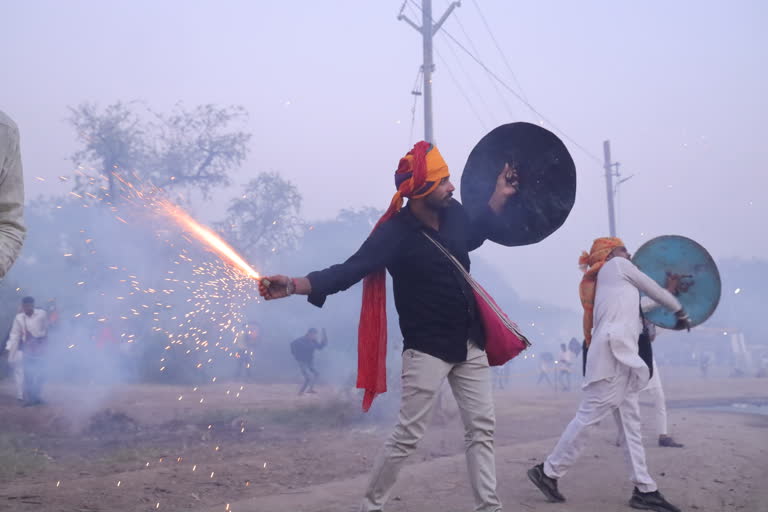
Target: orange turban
418,174
591,263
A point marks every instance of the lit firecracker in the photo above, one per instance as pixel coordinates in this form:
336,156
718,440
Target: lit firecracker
192,303
199,307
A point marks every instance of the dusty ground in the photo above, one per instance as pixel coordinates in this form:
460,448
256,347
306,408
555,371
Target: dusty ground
143,449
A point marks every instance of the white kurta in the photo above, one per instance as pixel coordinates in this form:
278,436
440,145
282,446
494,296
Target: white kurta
35,324
617,323
615,372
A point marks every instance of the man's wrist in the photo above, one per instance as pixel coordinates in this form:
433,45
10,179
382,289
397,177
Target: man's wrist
301,285
496,202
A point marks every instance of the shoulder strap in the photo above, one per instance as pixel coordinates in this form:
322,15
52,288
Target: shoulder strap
450,256
479,290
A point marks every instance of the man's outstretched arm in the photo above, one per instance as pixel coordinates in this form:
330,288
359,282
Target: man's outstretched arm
375,253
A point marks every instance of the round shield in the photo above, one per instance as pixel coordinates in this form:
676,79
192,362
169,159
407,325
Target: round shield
546,174
700,285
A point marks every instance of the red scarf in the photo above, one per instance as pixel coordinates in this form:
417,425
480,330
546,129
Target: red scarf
417,175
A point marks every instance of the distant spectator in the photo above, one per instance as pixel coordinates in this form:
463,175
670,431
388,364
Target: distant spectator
303,350
26,346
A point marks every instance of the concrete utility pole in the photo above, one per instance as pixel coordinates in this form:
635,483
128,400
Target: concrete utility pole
427,31
609,174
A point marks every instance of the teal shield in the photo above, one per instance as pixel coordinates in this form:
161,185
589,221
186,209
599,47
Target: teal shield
680,255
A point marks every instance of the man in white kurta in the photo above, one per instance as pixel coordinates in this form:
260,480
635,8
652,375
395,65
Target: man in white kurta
25,346
614,374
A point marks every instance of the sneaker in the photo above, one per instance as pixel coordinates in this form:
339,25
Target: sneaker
668,442
651,501
546,485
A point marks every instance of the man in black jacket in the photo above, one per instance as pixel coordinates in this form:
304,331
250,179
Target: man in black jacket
443,337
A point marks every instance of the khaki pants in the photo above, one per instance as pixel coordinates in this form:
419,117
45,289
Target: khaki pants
471,385
600,399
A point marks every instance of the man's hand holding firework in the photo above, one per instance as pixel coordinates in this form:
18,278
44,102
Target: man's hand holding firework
278,287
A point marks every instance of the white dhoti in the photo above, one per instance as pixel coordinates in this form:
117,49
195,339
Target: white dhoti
659,402
601,398
470,382
655,392
17,366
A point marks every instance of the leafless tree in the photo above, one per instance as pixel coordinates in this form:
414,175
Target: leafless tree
185,149
264,220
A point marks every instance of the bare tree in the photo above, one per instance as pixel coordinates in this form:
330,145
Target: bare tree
196,148
184,149
264,220
113,140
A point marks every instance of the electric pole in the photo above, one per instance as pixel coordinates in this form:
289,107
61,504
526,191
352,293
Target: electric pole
609,174
427,31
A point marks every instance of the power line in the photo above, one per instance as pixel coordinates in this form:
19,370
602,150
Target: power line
498,47
457,83
461,90
523,100
493,82
515,93
472,85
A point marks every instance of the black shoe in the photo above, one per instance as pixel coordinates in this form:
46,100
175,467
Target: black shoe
546,485
651,501
668,442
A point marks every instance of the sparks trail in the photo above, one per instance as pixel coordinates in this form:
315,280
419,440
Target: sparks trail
199,308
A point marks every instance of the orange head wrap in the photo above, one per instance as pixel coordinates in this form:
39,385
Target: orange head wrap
418,174
591,263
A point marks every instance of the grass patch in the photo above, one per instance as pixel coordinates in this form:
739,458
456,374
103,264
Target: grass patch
18,460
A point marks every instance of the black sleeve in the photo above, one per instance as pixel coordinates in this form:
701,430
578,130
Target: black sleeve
375,253
481,227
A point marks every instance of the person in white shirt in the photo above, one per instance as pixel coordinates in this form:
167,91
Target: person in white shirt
564,365
614,373
26,346
11,194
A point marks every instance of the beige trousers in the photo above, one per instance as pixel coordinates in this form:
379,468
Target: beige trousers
601,398
471,385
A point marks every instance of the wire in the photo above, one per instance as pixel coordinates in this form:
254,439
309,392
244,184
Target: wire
456,81
516,94
523,100
498,47
476,89
503,98
461,90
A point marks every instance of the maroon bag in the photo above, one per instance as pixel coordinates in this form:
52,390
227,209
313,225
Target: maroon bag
503,339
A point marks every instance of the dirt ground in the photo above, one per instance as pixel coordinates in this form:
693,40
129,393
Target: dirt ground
143,449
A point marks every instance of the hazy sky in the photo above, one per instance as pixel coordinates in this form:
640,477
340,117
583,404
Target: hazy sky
678,87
